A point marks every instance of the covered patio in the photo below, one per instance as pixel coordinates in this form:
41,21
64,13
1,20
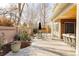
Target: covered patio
29,29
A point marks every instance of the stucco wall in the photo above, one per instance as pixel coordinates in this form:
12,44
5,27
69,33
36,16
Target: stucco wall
9,33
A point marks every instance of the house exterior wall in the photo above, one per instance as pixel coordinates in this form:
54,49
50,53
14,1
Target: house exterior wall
68,14
63,24
56,30
77,32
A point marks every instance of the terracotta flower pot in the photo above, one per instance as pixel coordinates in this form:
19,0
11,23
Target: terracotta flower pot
15,46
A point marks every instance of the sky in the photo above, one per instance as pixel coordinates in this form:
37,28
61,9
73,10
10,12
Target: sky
35,7
3,5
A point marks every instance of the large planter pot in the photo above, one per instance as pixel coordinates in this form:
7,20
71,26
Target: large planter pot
15,46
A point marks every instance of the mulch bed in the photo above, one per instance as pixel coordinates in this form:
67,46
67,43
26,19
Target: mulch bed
25,44
7,47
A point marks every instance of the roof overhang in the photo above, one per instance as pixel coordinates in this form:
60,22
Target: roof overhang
68,11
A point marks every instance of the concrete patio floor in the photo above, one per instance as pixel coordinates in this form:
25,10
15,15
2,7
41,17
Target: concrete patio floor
46,47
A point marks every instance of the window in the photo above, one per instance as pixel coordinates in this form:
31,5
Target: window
70,27
56,27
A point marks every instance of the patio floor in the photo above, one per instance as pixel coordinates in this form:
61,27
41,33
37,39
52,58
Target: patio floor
45,47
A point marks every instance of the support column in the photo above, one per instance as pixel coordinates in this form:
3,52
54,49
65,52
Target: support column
77,31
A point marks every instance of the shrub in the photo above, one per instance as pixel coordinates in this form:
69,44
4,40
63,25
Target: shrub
24,36
1,40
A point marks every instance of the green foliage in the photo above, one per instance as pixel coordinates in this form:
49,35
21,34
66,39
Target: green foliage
24,36
35,30
1,42
17,37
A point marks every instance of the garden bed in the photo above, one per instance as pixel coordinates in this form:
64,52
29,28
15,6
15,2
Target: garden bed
25,44
7,47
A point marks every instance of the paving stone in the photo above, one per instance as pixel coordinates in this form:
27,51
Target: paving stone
46,47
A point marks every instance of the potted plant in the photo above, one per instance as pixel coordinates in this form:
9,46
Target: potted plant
22,40
15,45
25,39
